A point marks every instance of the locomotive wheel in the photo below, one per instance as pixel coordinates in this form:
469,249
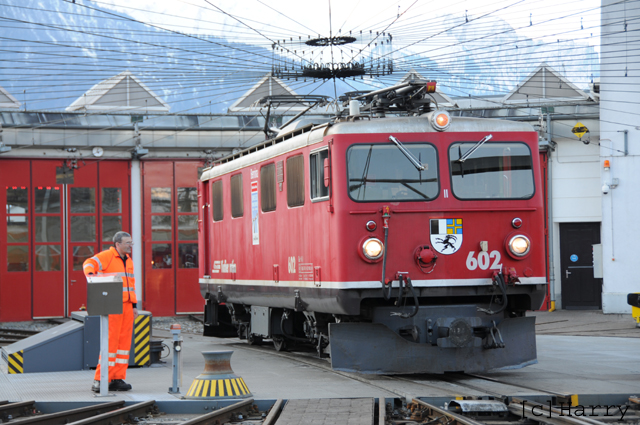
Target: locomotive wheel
279,344
254,340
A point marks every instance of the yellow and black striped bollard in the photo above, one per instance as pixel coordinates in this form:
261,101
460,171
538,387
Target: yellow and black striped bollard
218,381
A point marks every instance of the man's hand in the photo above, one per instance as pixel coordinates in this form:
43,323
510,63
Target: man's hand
135,313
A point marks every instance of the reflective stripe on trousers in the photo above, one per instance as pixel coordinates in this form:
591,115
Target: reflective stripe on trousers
120,329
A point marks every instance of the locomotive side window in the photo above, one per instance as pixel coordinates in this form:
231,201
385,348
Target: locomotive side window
268,187
316,169
216,200
295,181
237,207
493,171
381,172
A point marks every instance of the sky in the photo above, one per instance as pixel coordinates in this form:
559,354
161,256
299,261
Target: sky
482,47
546,19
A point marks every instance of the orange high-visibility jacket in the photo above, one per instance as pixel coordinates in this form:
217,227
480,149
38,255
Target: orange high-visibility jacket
109,263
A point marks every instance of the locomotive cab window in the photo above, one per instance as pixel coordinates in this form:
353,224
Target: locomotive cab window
216,200
295,181
493,171
316,168
268,187
237,207
382,172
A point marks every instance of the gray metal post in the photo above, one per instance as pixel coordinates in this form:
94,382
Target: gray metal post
104,356
552,275
176,363
104,297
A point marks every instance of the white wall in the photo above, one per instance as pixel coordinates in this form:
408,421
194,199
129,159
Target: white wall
576,194
620,110
136,226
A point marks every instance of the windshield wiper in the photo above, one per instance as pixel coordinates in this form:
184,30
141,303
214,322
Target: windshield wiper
474,148
408,154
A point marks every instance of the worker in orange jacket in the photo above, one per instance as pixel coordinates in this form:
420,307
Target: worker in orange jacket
116,261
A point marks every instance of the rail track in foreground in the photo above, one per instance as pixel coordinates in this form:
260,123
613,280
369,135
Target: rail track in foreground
361,411
476,400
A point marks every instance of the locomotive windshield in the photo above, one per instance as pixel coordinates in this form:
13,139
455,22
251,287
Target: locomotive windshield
494,171
381,172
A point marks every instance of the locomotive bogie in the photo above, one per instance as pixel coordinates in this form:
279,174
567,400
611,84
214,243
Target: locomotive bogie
387,231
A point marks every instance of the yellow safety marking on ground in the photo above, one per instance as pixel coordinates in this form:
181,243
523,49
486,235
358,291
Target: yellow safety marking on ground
240,386
141,340
16,362
192,388
235,387
245,386
224,388
574,400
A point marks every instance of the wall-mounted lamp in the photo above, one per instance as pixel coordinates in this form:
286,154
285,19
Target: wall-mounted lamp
606,165
607,187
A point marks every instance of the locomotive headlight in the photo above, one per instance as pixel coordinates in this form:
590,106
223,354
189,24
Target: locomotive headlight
440,120
519,245
373,248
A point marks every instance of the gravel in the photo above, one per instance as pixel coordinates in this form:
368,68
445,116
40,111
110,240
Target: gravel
188,324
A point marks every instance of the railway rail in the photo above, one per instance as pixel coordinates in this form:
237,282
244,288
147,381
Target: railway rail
9,336
464,399
493,411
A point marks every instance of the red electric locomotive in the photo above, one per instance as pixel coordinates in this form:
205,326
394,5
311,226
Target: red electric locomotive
397,244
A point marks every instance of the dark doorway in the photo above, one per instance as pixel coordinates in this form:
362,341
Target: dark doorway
580,290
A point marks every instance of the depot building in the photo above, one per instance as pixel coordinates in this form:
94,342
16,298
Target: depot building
117,159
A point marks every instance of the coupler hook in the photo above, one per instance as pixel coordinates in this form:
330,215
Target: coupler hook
493,342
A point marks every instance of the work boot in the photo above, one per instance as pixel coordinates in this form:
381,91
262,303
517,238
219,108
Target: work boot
96,386
119,385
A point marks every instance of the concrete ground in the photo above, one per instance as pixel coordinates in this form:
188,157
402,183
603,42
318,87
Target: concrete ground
579,352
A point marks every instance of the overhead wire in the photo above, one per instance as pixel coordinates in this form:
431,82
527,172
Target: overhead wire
265,65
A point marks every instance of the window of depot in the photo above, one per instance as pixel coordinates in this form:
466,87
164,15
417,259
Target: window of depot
316,175
160,199
47,200
17,200
187,200
48,258
17,258
17,229
216,201
295,181
80,254
161,256
111,200
83,200
237,206
268,187
188,255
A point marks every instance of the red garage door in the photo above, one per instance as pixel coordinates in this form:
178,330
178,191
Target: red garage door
53,225
171,238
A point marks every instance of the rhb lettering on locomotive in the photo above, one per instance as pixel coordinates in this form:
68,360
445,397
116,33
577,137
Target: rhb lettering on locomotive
305,272
380,205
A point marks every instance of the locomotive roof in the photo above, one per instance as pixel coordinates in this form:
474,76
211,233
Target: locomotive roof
310,135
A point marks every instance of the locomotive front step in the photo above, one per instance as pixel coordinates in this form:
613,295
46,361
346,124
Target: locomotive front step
373,348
